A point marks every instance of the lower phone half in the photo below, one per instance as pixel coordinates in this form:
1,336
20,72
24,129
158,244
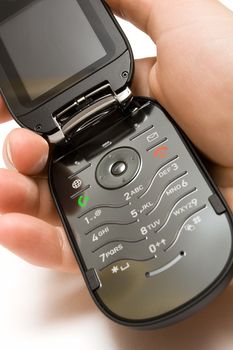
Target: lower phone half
149,228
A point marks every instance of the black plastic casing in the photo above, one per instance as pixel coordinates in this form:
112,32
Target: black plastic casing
117,71
206,296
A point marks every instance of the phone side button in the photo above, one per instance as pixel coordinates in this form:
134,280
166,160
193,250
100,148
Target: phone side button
217,204
93,279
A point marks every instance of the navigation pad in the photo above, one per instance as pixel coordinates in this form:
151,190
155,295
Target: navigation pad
118,168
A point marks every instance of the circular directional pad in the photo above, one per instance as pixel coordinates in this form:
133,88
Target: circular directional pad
118,168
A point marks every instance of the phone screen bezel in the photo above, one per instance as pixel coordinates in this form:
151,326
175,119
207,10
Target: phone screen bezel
107,32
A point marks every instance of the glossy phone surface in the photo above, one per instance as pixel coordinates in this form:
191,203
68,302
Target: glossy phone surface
153,236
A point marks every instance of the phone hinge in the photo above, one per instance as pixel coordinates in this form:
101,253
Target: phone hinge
86,110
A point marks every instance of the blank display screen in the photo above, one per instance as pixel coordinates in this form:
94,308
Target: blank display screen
48,42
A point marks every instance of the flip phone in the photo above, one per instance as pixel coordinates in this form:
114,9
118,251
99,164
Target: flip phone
148,227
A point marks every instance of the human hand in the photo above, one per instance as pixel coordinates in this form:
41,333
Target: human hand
192,79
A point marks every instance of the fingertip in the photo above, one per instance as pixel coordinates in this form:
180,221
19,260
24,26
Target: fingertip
141,84
25,151
18,193
137,12
4,112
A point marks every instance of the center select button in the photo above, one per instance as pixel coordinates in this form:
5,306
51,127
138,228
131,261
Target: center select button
117,168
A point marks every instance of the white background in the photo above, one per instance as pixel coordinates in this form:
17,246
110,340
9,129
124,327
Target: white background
43,309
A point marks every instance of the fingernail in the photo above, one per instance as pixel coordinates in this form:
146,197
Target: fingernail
8,152
40,165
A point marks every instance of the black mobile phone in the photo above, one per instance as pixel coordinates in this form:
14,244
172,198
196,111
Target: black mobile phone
148,227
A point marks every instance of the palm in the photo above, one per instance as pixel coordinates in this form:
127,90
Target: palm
176,80
221,170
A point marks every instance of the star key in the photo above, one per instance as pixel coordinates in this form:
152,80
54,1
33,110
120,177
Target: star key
115,269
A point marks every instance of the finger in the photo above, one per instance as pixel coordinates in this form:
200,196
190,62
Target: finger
21,194
4,112
228,195
18,193
223,177
25,151
37,242
141,82
137,12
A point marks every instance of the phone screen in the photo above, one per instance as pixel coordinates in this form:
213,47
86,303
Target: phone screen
48,42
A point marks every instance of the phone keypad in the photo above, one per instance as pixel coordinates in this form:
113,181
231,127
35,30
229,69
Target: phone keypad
138,211
142,205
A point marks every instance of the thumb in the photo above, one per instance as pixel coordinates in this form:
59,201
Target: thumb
155,17
138,12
